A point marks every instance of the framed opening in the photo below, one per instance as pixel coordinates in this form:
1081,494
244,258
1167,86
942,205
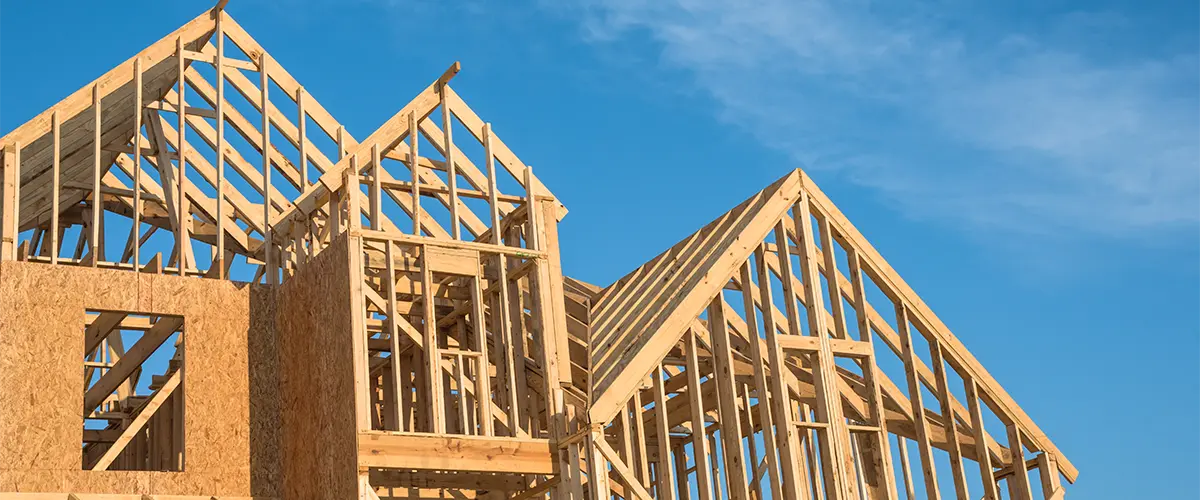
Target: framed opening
133,397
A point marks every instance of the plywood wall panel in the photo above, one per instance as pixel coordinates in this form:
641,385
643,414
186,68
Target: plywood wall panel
265,425
105,481
41,379
28,480
317,379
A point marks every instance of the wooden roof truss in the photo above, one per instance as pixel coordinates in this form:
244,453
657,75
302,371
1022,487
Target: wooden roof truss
62,157
751,360
724,327
458,222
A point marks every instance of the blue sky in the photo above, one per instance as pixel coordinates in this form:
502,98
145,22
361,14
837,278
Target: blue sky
1030,167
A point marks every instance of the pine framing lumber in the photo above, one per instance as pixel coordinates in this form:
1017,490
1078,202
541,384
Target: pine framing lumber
731,435
475,361
97,165
957,354
665,485
770,443
131,361
918,407
834,447
9,203
149,410
396,450
680,309
780,401
623,471
701,454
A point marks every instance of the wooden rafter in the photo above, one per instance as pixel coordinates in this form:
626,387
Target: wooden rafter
739,361
628,305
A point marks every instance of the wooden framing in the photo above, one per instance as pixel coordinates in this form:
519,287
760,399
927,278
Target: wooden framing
433,452
824,410
435,348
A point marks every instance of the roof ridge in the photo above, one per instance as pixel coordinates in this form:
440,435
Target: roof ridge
631,344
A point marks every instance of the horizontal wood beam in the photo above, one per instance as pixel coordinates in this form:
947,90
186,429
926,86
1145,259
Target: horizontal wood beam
396,450
438,479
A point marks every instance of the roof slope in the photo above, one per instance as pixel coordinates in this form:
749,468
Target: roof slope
639,318
35,137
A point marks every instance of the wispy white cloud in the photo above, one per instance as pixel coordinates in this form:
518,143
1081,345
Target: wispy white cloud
992,129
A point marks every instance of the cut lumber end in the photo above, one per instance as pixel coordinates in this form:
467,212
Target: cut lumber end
449,73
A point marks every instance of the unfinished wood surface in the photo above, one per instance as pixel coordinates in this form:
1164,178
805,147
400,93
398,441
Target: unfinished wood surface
417,336
316,380
42,352
627,319
789,345
158,63
455,453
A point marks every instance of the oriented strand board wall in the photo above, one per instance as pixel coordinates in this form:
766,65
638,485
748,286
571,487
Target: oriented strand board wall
317,379
41,380
266,447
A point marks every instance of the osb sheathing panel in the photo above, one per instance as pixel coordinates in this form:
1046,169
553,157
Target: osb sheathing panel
41,380
265,432
317,379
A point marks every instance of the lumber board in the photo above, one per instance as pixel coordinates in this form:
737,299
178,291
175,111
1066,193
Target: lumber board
957,354
396,450
561,358
647,341
116,91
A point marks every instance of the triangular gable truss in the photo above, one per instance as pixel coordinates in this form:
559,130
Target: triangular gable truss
380,171
211,91
669,328
649,299
648,330
291,152
95,127
247,221
393,141
75,116
240,218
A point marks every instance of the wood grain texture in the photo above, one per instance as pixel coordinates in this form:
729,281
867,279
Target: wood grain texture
280,381
117,91
42,312
641,316
455,453
316,381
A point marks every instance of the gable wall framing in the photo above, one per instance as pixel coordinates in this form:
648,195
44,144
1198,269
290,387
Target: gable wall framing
410,332
769,377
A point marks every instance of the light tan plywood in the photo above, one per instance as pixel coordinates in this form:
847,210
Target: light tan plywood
411,358
317,386
41,349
